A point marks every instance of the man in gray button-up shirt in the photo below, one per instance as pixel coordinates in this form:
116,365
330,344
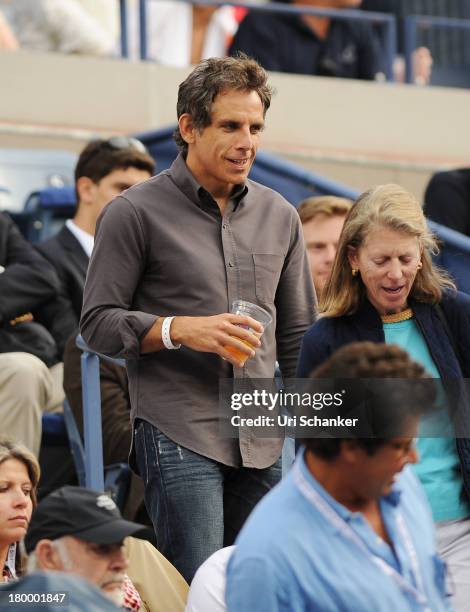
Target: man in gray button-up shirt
185,244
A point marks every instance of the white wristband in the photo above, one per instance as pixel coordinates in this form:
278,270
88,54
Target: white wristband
166,334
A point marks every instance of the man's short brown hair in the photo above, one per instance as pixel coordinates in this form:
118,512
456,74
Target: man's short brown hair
101,157
212,76
330,206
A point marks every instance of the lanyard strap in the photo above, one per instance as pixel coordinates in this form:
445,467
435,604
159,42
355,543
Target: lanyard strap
346,530
11,560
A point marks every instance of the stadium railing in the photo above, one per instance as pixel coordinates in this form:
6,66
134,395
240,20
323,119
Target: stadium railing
291,180
413,23
296,183
387,22
92,430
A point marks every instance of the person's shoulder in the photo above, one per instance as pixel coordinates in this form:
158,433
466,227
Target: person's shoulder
8,228
447,181
275,532
55,243
322,328
264,533
263,195
138,194
208,585
316,346
455,301
137,199
456,175
215,564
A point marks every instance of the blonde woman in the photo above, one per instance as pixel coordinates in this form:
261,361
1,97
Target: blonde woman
385,288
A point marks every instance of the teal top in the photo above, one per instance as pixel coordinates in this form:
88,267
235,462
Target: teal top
439,466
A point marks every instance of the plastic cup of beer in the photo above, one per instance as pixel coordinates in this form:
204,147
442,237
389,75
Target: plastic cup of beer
241,307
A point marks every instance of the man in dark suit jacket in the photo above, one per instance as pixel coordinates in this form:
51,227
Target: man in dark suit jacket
104,169
30,375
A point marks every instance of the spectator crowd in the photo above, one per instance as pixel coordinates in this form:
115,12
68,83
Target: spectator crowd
180,34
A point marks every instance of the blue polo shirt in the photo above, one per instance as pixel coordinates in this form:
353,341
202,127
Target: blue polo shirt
289,557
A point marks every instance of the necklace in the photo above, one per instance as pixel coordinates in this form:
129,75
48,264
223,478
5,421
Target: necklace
398,317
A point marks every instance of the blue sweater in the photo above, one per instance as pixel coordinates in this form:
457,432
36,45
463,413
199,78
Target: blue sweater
330,333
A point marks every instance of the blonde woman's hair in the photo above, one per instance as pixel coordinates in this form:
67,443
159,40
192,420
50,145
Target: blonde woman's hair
13,450
386,206
330,206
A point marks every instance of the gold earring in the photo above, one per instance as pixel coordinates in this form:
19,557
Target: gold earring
420,265
354,271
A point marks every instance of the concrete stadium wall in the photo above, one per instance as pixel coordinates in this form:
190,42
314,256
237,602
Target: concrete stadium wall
360,133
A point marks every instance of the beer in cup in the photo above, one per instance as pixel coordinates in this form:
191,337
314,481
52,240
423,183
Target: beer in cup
241,307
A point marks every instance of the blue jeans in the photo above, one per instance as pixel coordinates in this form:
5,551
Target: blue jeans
196,504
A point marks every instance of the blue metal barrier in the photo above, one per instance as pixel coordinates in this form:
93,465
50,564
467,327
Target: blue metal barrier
92,430
124,31
388,22
295,184
292,181
455,254
411,25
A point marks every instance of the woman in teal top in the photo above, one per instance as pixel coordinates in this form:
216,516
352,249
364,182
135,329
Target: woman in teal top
384,288
439,466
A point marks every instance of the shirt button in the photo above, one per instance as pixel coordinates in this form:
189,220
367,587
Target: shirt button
224,226
230,264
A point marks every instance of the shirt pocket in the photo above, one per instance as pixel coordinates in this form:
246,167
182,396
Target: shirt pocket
268,268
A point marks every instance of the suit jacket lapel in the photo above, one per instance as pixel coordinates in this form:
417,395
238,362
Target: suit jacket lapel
77,254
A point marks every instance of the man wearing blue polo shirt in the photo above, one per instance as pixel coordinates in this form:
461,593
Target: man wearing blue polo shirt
349,529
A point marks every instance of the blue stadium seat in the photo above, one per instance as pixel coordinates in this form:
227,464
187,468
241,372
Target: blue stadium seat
60,429
54,432
46,211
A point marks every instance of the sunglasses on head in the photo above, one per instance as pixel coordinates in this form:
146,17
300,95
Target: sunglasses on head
118,143
125,142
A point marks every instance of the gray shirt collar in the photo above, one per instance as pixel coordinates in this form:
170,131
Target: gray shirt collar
186,181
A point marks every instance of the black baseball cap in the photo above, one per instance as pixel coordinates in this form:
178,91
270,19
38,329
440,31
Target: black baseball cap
83,513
